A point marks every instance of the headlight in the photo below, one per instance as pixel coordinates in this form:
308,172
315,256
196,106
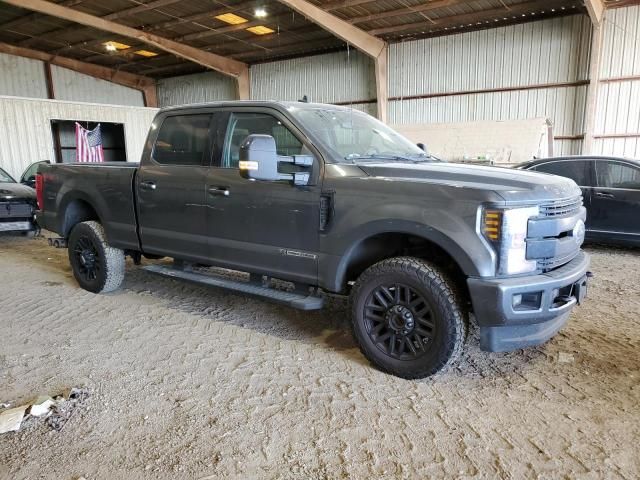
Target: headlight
506,230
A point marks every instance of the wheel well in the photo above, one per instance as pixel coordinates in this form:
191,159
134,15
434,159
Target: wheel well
76,212
387,245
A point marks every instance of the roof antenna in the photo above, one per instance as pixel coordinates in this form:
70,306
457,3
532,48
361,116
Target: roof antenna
304,99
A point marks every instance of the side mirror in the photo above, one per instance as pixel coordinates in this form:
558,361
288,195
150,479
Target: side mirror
422,146
259,160
31,181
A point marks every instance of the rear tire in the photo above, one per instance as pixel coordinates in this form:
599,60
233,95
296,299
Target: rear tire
97,267
406,318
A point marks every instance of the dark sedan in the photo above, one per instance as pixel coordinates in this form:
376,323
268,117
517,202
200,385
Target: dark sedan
611,190
17,206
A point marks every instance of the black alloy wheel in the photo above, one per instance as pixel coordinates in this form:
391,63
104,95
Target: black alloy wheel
399,321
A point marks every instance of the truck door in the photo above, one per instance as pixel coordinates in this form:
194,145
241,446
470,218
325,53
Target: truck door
172,210
265,227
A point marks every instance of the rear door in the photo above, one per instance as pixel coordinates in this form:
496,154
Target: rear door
269,227
616,198
171,188
580,171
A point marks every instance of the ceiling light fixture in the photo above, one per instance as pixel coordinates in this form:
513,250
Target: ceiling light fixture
231,18
260,30
145,53
113,46
260,13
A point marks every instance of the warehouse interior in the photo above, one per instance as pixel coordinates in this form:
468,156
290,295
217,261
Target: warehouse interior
184,381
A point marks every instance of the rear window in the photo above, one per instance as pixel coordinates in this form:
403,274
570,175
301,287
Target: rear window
183,140
578,171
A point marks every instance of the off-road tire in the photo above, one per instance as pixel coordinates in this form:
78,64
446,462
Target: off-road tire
424,279
108,277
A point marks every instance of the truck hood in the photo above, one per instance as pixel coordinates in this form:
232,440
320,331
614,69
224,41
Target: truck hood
511,185
16,191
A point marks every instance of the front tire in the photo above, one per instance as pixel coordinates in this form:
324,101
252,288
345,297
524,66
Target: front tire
406,317
97,267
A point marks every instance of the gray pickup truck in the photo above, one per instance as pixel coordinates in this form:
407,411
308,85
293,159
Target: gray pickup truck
330,199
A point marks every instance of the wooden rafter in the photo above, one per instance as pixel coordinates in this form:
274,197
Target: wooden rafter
164,25
596,10
32,17
227,66
112,16
360,39
145,84
369,44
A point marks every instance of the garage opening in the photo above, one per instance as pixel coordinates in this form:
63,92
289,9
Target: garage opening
64,140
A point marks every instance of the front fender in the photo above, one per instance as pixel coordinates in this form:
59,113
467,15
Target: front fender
452,228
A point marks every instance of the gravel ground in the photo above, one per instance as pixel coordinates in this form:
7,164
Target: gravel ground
188,382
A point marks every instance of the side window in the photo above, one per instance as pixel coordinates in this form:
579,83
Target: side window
617,175
241,125
578,171
183,140
30,172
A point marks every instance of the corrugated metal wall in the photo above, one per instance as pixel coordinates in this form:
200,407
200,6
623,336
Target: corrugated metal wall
340,77
22,77
201,87
26,135
76,87
528,55
617,129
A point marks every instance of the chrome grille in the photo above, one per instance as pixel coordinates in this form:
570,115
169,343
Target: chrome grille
15,210
547,264
561,216
561,207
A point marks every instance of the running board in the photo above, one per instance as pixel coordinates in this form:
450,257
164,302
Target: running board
291,299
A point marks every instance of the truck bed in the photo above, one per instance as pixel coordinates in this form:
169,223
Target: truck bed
108,187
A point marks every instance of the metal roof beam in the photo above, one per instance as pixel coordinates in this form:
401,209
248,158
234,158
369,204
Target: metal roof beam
144,84
596,10
32,17
227,66
363,41
112,16
360,39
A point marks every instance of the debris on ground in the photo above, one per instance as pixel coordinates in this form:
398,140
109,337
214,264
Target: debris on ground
564,357
57,410
11,419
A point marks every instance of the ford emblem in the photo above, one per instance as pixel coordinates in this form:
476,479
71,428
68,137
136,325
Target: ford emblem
578,232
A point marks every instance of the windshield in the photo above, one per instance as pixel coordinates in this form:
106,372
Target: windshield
355,136
5,177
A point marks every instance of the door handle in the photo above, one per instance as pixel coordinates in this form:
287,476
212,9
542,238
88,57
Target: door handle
219,191
604,195
147,185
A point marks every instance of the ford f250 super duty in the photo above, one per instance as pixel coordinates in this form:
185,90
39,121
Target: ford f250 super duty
330,199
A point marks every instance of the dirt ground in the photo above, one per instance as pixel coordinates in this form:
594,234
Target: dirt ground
196,383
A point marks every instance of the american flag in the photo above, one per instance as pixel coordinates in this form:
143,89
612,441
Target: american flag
88,144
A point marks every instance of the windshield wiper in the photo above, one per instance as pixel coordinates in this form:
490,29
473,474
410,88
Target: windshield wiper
354,157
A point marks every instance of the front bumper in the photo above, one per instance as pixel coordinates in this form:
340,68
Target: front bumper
506,326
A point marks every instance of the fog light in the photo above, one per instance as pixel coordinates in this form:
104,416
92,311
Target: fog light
527,301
